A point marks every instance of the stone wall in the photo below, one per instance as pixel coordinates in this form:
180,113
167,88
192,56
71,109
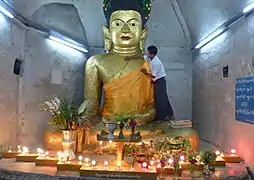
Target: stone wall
11,47
214,96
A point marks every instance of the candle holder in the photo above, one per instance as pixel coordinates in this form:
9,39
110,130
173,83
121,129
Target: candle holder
106,165
87,162
70,166
46,161
26,157
10,155
197,166
232,158
219,161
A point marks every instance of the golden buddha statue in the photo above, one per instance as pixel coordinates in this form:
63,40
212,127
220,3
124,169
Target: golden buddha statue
118,72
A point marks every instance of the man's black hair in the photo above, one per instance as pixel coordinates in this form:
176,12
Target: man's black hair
152,50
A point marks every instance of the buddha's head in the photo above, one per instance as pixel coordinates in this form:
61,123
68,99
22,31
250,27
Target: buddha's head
126,21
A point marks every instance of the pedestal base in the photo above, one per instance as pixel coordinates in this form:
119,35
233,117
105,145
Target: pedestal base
112,172
26,158
9,155
232,159
221,163
187,166
123,164
170,171
72,166
50,161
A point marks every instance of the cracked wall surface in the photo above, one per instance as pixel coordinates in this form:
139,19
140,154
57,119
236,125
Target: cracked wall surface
214,96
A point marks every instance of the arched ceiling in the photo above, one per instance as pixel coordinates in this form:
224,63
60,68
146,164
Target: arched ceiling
201,17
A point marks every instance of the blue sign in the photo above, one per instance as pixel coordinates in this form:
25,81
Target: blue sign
244,100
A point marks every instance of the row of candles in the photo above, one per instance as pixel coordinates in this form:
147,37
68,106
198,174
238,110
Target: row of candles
41,153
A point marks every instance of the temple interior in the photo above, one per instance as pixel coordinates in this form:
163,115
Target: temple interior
206,47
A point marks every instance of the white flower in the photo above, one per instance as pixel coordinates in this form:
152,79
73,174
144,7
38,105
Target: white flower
57,101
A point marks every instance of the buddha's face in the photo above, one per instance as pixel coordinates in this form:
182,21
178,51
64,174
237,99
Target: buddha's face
125,28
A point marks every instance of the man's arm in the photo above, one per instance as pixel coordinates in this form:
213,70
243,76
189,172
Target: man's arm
147,73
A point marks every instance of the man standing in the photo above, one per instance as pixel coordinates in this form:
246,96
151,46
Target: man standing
163,107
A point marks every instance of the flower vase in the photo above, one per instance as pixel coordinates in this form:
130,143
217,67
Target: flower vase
68,144
132,132
121,126
206,171
133,164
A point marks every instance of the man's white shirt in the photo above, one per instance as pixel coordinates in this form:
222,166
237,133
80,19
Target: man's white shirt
157,67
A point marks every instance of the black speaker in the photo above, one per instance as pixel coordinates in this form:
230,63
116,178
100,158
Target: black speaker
225,72
17,67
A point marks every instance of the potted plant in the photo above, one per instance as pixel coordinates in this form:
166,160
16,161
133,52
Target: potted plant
133,125
121,120
66,118
207,157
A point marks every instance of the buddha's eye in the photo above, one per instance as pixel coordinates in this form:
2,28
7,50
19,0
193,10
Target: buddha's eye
117,23
133,23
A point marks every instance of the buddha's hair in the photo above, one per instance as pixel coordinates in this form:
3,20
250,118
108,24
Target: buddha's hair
141,6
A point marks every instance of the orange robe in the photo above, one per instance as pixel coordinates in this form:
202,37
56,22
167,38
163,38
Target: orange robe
130,94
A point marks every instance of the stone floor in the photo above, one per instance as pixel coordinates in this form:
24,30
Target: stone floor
10,169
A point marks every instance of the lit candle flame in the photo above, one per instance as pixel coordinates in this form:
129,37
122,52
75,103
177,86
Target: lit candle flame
170,161
144,164
182,158
151,163
80,158
93,163
233,151
217,153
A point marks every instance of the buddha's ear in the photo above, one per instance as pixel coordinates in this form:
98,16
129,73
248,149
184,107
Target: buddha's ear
106,32
144,33
107,39
143,39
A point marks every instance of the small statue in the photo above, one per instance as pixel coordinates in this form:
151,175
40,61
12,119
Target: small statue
118,72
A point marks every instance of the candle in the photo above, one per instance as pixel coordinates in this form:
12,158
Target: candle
233,152
170,161
182,158
110,142
47,154
144,165
100,142
151,163
25,150
39,151
217,153
221,155
118,166
140,143
19,148
93,163
60,156
80,159
105,165
86,161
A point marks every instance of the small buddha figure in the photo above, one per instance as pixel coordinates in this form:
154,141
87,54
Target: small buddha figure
118,72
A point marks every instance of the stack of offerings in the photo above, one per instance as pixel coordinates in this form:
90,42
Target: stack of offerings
180,124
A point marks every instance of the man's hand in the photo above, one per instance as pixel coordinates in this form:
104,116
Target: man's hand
143,70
